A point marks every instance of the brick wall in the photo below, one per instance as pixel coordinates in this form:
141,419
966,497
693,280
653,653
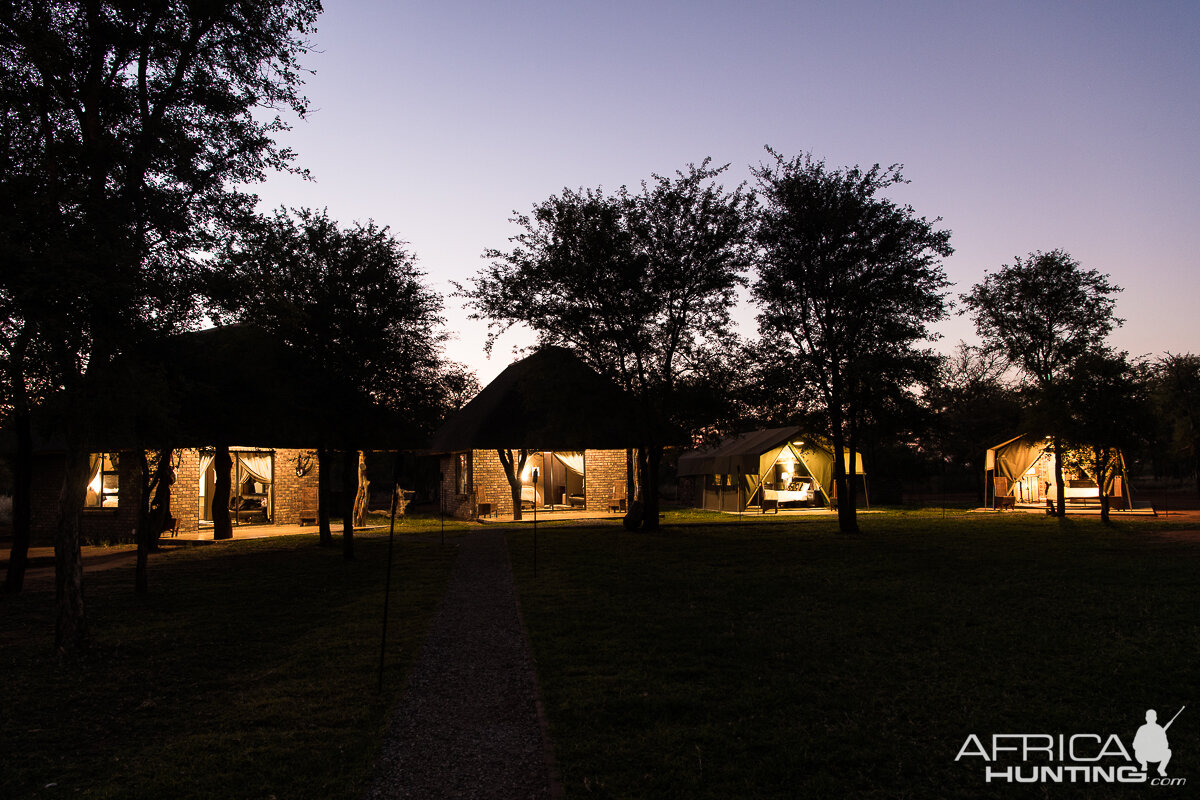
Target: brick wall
602,470
119,524
491,484
96,525
287,490
454,504
185,491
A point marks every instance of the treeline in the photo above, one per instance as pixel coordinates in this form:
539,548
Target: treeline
131,130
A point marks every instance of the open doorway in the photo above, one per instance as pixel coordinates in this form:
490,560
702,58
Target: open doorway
252,484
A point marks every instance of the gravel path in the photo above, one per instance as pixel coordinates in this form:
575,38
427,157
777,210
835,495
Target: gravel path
469,722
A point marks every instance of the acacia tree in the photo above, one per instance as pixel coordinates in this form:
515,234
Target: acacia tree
1105,416
513,462
1043,313
638,284
354,302
1176,388
130,123
848,283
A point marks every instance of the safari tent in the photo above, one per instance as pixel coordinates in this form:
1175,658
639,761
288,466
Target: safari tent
777,466
1021,471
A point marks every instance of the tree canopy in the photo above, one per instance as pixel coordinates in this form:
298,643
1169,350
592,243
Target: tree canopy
351,298
128,127
848,282
1043,313
638,283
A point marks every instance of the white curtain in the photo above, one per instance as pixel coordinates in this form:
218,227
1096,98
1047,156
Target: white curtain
573,459
206,460
95,462
258,465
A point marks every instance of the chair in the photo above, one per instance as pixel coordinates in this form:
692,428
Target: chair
618,501
1117,492
1001,499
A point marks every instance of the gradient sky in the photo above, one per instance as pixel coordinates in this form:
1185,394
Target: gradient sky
1024,126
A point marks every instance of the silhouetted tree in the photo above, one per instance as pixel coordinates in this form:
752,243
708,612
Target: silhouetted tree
1107,415
351,299
1176,393
1042,314
638,284
848,284
970,409
127,126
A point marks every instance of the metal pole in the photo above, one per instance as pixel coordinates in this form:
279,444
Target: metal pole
535,480
387,587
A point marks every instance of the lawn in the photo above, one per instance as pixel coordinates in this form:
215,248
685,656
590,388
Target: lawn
249,671
781,659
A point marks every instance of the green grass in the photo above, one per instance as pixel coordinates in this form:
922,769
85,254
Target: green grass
778,658
249,671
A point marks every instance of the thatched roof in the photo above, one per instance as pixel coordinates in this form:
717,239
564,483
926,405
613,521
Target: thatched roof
236,384
548,401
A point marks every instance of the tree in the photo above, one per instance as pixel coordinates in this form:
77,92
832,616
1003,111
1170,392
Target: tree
1042,314
1176,388
638,284
1106,415
847,284
971,409
354,302
128,124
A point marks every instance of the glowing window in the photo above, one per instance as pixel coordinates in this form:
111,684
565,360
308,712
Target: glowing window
103,481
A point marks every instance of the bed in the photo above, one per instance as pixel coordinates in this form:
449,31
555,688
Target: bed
804,494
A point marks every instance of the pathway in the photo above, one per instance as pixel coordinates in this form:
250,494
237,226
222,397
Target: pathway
469,723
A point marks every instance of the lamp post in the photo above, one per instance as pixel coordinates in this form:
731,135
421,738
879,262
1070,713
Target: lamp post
535,480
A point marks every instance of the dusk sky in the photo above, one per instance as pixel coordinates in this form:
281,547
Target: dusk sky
1024,126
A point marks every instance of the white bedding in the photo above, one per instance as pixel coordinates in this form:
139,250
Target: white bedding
787,496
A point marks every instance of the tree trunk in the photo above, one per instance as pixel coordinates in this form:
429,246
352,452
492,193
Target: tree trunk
223,466
851,498
847,520
324,500
651,457
513,462
1060,505
154,512
1195,466
362,496
630,478
349,494
21,504
70,624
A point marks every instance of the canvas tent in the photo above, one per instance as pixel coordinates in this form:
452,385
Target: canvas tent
1025,465
779,464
